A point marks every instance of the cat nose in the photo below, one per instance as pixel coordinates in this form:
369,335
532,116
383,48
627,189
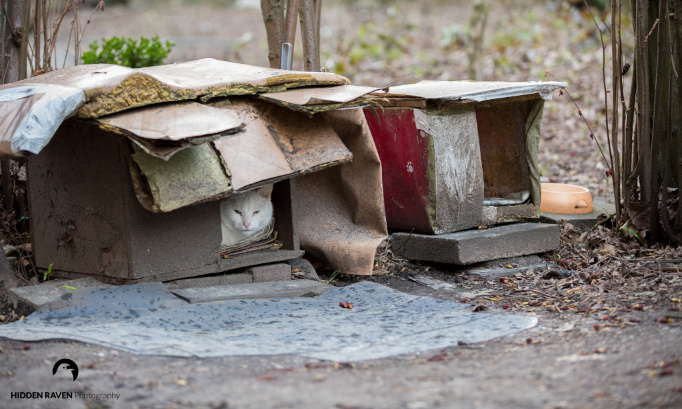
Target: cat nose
247,224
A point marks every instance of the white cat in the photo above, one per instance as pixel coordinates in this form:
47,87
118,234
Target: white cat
245,214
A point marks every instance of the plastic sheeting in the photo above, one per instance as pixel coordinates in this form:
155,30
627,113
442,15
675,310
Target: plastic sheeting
147,319
30,115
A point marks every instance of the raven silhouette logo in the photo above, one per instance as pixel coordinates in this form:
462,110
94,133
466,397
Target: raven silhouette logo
67,365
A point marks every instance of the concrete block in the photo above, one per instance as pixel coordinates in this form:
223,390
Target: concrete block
302,267
473,246
272,289
33,296
270,272
222,279
580,221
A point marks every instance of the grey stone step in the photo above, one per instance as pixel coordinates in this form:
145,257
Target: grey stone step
580,221
473,246
33,296
269,289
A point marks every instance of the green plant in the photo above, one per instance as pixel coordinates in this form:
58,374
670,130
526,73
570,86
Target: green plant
47,273
129,52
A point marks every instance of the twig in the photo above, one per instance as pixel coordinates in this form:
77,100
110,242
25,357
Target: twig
651,31
536,291
603,221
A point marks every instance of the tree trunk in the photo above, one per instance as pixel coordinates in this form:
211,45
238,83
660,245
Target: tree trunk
273,17
311,49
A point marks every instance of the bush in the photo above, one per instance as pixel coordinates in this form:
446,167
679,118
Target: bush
128,52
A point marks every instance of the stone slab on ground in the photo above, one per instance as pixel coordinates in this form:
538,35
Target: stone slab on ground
580,221
208,281
270,272
302,267
473,246
269,289
34,296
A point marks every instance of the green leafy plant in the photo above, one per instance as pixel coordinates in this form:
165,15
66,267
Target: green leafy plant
128,52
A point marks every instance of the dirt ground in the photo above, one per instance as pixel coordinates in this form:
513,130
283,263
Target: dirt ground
564,362
609,332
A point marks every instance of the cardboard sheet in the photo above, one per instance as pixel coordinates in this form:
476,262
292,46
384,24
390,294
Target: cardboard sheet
165,129
341,210
112,88
473,90
272,144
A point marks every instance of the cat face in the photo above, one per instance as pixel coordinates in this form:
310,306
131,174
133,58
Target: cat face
248,212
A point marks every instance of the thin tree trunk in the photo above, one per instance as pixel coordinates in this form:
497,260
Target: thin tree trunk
628,159
273,17
676,152
615,99
10,68
291,23
14,46
643,121
311,51
36,34
660,121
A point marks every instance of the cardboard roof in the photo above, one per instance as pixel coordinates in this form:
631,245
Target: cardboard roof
477,91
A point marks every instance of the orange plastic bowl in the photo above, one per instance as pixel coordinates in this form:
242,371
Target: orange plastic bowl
565,199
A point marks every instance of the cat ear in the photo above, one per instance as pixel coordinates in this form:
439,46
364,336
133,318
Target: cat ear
265,191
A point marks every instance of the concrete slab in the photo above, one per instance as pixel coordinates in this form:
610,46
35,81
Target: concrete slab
208,281
34,296
270,289
473,246
301,268
270,272
580,221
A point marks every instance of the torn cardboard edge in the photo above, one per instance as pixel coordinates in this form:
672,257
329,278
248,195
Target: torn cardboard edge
270,144
477,91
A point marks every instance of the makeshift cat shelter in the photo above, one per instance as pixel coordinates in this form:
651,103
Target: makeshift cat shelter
127,167
459,154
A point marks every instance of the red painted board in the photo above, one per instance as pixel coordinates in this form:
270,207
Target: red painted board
404,153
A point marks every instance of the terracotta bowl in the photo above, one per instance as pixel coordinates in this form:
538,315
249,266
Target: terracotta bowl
565,199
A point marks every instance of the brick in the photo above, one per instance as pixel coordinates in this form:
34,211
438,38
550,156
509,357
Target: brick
473,246
270,272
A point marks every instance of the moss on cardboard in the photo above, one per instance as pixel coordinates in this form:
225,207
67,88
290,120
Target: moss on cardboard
140,89
193,175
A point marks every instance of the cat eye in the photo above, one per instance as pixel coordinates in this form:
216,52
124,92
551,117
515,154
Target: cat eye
256,212
238,212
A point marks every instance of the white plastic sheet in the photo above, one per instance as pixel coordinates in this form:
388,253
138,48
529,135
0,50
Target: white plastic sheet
34,123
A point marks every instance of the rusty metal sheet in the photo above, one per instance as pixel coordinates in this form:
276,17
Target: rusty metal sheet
163,130
277,144
473,90
111,88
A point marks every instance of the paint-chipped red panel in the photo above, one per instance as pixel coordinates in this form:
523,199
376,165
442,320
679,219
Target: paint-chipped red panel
404,153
